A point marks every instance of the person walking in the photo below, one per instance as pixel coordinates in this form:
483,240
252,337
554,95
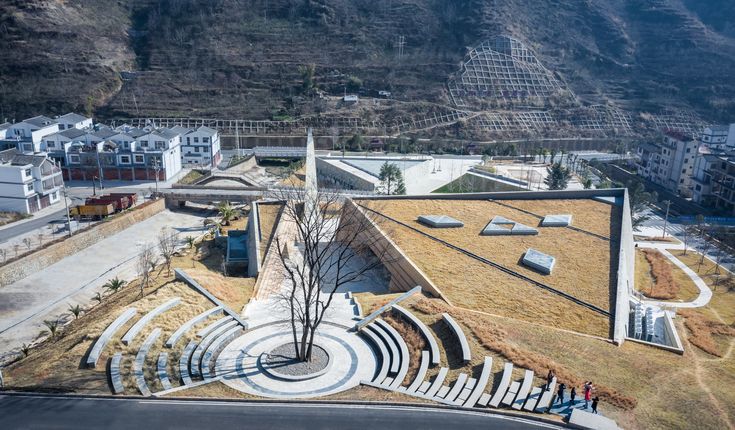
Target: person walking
549,378
560,393
595,401
572,396
587,393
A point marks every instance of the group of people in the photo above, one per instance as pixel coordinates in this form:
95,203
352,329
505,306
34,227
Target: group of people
586,390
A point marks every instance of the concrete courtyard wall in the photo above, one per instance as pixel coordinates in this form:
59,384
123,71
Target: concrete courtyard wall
254,241
626,274
34,262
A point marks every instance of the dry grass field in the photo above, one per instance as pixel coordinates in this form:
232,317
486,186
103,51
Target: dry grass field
585,265
659,278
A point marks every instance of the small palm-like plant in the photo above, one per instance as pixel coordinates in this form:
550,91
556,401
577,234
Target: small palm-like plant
75,310
214,226
190,241
98,298
114,285
53,327
25,349
227,213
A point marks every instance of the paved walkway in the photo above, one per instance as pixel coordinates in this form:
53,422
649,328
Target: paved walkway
705,293
47,294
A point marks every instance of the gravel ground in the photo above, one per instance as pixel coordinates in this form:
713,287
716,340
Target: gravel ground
283,360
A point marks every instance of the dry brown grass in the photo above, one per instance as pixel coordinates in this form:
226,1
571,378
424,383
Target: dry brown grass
664,286
234,292
704,330
268,214
414,341
495,339
722,305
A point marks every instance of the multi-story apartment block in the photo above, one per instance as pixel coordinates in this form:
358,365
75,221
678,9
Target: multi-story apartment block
28,183
200,147
29,132
669,162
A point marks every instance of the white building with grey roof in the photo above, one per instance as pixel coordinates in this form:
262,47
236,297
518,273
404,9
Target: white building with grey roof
28,182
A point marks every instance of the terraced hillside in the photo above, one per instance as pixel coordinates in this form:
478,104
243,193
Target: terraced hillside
250,58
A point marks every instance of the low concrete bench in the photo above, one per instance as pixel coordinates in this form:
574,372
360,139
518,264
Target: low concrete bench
466,354
214,347
474,397
214,326
99,345
503,386
421,374
204,344
533,399
456,388
139,363
524,390
115,378
437,384
184,362
145,319
545,401
404,356
465,393
391,346
162,371
510,395
191,323
580,419
383,356
428,336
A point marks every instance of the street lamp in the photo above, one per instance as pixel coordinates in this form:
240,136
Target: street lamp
94,188
666,219
157,169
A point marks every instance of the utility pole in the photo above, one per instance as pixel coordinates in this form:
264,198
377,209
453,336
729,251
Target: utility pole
666,219
400,43
66,203
157,169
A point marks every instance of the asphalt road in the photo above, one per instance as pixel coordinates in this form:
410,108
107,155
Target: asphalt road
41,412
11,232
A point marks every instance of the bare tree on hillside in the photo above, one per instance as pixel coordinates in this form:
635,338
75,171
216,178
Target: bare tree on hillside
167,247
146,259
333,242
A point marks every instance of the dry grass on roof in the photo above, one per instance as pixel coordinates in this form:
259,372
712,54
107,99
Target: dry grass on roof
585,265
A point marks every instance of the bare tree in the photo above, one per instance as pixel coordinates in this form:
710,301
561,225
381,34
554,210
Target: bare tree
4,254
167,247
27,242
146,259
333,242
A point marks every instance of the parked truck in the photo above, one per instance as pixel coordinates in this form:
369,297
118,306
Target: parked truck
96,211
120,201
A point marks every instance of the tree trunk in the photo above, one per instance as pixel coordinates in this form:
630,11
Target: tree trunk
304,343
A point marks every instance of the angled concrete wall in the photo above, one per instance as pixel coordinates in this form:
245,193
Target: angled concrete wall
254,238
626,274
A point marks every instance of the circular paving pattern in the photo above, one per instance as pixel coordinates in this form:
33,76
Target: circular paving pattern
350,360
281,362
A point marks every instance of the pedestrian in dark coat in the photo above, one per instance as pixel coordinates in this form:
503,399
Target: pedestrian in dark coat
560,392
549,378
594,404
572,396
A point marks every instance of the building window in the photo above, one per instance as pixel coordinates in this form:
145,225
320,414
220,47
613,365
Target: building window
139,158
28,172
196,149
205,140
144,143
684,171
196,140
206,149
188,140
124,159
160,144
689,150
698,187
29,187
55,195
74,159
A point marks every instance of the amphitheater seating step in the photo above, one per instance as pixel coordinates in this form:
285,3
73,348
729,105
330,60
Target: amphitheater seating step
484,399
425,332
424,386
511,394
503,386
392,348
115,377
184,362
145,319
466,354
383,354
456,388
139,363
423,367
523,390
438,381
99,345
546,397
443,391
533,399
477,391
191,323
162,371
214,347
214,326
404,356
196,357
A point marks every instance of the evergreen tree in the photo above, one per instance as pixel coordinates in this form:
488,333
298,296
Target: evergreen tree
557,177
391,180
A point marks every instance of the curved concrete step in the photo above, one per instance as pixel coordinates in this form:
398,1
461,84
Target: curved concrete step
425,332
421,374
457,330
145,319
189,324
404,356
214,347
99,345
214,326
115,378
204,344
474,397
503,386
162,371
390,344
184,360
524,390
437,384
139,363
383,354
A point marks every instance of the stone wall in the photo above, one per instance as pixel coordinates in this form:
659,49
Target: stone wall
404,274
19,269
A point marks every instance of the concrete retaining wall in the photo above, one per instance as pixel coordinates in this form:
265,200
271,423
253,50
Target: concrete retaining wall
626,274
32,263
405,275
254,258
330,171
